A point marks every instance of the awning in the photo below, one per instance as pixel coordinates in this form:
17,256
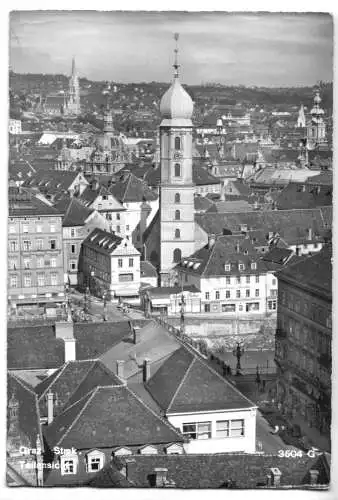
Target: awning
127,293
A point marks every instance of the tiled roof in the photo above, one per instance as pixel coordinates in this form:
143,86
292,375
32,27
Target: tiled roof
155,344
34,347
291,225
212,471
21,203
74,213
201,177
147,269
314,273
293,196
229,206
208,262
89,423
60,180
202,204
129,189
73,381
28,410
278,255
322,179
185,383
93,345
99,238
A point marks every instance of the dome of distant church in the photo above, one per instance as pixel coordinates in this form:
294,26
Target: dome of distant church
176,102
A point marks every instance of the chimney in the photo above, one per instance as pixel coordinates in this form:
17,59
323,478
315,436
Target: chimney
211,240
222,194
160,477
70,350
50,407
136,334
275,477
146,370
313,476
120,369
65,330
309,234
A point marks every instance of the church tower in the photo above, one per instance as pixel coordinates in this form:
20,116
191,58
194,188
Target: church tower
177,223
301,118
316,129
108,127
74,107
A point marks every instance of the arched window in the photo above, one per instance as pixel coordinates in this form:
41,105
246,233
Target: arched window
177,255
177,143
177,233
177,198
177,170
177,215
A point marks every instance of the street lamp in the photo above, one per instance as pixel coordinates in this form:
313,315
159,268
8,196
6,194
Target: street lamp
105,305
182,304
238,352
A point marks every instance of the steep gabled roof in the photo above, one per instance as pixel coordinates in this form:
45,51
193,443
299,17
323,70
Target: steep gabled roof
28,409
131,189
209,262
313,273
75,213
78,377
201,177
185,383
109,416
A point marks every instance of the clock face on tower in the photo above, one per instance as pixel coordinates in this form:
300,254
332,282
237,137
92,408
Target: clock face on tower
177,155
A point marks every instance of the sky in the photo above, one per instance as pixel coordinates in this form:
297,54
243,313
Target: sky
249,49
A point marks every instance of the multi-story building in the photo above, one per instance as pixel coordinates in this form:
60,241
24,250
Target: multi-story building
110,264
14,126
35,251
77,222
303,340
232,278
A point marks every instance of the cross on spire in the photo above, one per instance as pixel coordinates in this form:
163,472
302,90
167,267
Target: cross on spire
176,65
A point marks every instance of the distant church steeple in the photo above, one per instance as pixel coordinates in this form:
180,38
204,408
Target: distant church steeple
74,92
301,123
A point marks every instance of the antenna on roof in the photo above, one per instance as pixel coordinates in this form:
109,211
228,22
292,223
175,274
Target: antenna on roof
176,65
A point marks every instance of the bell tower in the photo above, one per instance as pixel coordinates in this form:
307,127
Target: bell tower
177,189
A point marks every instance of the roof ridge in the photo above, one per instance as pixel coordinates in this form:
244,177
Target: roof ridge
79,414
82,379
182,381
127,187
54,380
207,263
162,419
22,383
108,371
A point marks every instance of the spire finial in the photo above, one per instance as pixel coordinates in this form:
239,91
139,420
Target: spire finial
176,65
73,65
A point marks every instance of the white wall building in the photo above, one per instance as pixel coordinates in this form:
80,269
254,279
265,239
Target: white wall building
14,126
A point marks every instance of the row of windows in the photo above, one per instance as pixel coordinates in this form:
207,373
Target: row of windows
306,336
223,429
228,294
42,280
302,306
241,266
27,263
28,246
130,262
29,229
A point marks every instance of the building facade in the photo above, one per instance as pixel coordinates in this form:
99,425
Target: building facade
303,340
110,264
232,278
35,251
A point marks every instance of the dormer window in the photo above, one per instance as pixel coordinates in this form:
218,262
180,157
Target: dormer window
94,461
253,265
68,464
241,267
227,267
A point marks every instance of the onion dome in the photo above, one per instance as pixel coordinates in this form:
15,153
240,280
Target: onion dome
317,98
176,103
